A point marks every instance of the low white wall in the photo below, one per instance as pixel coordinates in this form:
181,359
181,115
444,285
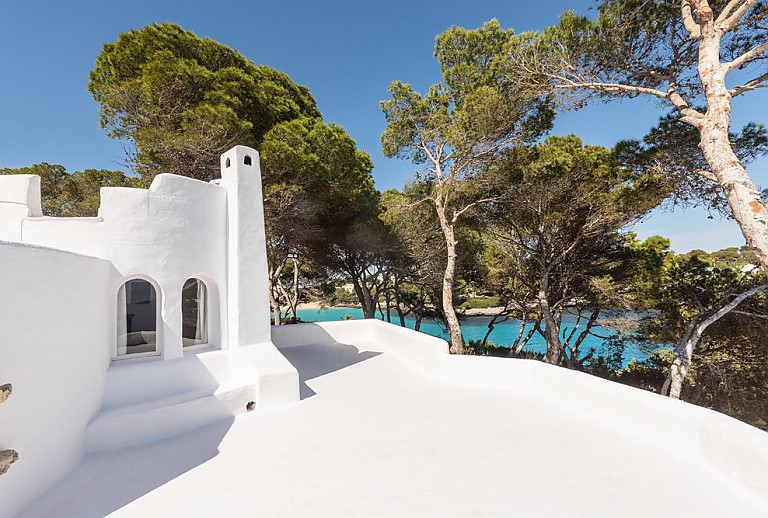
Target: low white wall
735,450
19,198
54,322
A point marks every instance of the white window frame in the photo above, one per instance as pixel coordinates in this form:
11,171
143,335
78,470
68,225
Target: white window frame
158,352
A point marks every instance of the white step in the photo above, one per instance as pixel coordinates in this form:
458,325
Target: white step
146,401
150,421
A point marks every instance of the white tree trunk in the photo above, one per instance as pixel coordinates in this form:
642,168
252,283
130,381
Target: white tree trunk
451,319
741,193
682,364
274,295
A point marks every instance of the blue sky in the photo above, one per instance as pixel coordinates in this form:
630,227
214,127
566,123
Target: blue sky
346,52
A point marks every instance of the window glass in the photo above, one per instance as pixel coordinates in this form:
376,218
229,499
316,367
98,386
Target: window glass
136,318
194,313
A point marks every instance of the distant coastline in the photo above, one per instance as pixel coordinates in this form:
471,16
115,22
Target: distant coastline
471,312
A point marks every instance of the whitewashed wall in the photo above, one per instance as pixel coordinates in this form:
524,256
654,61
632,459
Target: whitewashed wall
54,324
168,233
19,198
59,279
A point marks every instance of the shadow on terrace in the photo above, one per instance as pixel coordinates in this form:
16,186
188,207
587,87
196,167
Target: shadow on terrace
313,362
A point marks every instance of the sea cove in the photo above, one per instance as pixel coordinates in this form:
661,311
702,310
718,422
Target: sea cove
475,327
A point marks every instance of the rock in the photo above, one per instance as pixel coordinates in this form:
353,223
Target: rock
7,457
5,391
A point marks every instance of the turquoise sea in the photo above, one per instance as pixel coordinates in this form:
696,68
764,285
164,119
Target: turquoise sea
475,327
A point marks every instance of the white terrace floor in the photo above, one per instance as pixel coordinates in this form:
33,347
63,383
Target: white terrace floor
371,437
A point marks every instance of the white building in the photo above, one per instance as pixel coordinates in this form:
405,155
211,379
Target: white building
136,341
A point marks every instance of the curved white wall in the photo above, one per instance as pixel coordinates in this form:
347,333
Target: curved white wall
54,327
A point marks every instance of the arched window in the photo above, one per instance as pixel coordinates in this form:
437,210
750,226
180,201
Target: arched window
194,313
136,318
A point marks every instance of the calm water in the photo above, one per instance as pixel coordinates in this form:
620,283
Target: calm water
474,328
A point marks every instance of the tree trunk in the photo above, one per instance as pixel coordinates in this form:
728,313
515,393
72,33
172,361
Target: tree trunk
292,298
673,384
399,302
275,309
573,361
388,302
520,345
551,332
680,367
294,302
451,319
740,192
682,364
274,300
501,316
364,296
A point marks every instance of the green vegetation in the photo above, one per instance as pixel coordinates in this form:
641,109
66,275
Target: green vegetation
75,194
182,100
481,303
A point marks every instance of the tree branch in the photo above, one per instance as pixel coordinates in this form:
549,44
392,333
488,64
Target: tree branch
726,21
456,214
748,314
702,11
709,175
690,24
690,115
752,84
745,58
610,87
717,315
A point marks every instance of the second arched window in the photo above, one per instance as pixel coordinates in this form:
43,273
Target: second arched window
194,313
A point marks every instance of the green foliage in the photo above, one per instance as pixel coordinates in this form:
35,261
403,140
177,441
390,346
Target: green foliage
671,148
732,257
471,117
342,297
321,161
183,100
730,371
75,194
481,303
564,214
319,196
689,287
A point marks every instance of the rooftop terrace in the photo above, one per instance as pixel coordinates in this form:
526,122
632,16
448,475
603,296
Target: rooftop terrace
381,431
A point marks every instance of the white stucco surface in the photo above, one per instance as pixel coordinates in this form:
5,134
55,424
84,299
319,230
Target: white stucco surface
60,281
390,425
53,333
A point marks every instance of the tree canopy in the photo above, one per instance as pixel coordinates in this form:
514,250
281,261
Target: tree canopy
558,231
456,129
183,100
687,54
72,195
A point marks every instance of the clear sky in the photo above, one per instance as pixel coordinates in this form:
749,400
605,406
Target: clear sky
346,52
